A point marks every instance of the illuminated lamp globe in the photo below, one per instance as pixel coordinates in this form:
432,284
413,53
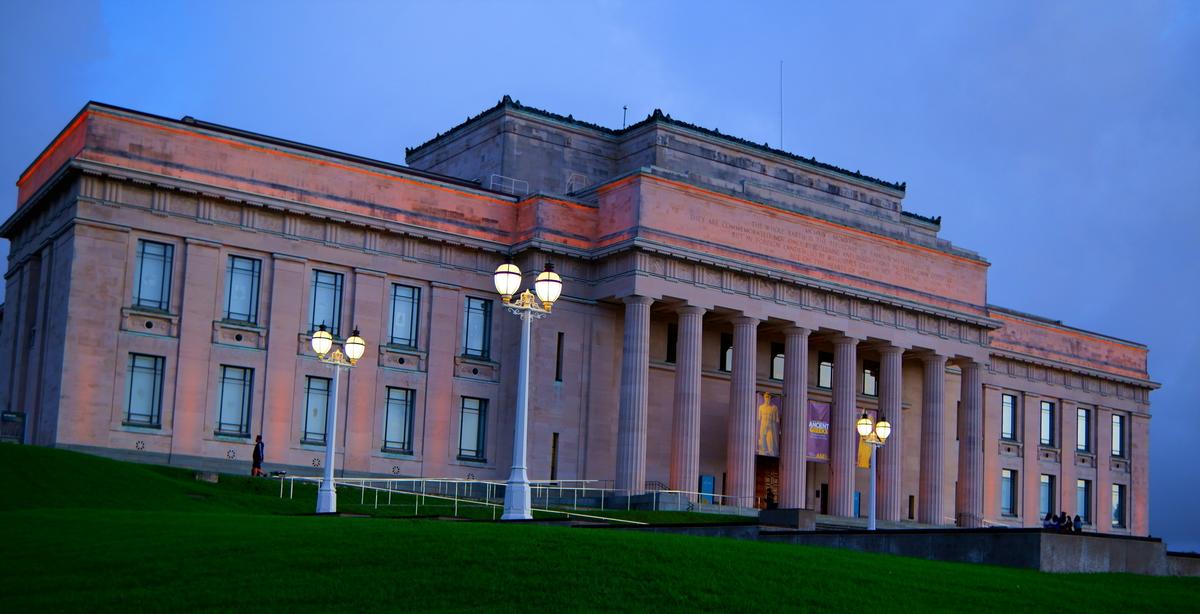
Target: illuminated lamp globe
548,286
322,341
508,280
863,425
355,346
883,429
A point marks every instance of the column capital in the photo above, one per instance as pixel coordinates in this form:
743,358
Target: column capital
745,321
844,340
932,358
634,299
685,310
791,330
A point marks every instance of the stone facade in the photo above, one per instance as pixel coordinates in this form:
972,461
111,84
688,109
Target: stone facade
692,261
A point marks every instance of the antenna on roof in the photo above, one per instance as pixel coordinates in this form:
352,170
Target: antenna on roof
781,105
624,114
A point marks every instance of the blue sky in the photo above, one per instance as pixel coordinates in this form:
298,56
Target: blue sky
1059,139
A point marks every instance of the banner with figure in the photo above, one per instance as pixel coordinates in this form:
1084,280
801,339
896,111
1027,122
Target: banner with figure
768,424
818,432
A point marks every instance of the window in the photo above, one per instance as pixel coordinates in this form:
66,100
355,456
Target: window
777,359
1008,416
471,429
558,358
326,302
726,352
405,302
316,408
241,289
1118,506
1008,492
870,384
233,414
1083,500
477,329
1046,493
1047,438
144,405
1083,430
1118,435
152,286
398,420
824,370
672,342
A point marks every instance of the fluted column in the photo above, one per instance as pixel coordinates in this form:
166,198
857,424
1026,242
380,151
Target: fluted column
685,431
933,402
793,453
891,455
743,421
968,496
635,372
843,438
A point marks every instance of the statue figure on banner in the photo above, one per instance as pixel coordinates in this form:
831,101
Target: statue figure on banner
768,425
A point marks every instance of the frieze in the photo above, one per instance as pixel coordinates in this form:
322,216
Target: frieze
1094,383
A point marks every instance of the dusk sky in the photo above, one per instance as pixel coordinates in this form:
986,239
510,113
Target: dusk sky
1061,140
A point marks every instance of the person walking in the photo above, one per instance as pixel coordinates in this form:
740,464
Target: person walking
260,449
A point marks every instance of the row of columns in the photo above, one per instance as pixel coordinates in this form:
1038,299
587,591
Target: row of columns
743,420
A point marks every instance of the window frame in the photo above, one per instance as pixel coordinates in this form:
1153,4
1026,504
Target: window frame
1118,436
1010,420
1083,429
410,399
725,358
247,383
1083,492
255,289
825,366
1119,506
339,285
1046,491
163,302
778,361
308,390
485,311
1009,477
414,324
158,372
672,353
1046,430
480,455
871,368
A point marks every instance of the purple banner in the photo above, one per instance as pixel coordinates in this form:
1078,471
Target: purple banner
818,432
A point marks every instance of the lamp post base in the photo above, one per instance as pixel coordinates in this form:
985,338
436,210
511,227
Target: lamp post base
516,498
326,500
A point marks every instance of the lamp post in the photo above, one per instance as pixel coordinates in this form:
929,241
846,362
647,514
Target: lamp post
548,286
322,342
874,435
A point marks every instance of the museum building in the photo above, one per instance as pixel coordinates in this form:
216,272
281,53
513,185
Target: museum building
729,310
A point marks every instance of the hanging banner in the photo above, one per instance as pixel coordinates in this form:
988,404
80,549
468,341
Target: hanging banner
768,424
818,432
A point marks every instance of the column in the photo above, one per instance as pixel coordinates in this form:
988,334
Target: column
279,409
843,438
685,433
891,456
635,373
1031,450
743,421
793,453
968,496
1137,498
1102,487
1068,444
438,440
201,273
933,402
991,451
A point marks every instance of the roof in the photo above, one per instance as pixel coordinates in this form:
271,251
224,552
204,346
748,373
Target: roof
657,116
1059,324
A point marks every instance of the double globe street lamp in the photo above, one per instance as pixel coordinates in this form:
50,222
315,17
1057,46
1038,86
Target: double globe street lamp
874,434
322,343
548,286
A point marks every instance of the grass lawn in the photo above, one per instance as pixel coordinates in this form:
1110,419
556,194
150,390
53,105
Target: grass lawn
82,533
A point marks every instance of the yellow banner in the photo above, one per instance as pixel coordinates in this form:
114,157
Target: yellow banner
864,454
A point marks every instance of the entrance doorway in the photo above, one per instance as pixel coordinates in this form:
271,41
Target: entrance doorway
766,482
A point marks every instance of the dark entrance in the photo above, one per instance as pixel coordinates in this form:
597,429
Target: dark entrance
766,482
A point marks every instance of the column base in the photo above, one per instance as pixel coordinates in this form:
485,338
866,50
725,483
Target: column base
326,500
517,498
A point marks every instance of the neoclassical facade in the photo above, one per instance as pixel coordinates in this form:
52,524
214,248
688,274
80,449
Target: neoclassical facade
729,311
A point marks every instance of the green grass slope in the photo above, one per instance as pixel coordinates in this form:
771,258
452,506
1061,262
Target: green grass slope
84,533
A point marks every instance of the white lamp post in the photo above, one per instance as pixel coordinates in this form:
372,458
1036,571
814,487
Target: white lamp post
548,286
875,435
322,342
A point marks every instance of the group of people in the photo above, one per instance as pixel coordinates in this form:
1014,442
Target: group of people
1062,523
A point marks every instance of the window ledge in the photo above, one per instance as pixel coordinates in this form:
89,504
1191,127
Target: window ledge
229,435
141,425
473,460
252,327
396,451
312,443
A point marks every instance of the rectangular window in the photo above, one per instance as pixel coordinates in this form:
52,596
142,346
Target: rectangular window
777,359
316,409
672,342
406,300
233,414
1046,496
558,358
152,286
1008,492
1008,416
870,385
1047,437
824,370
1118,435
398,420
326,302
471,429
1118,506
477,328
726,352
1083,500
144,405
1083,430
241,289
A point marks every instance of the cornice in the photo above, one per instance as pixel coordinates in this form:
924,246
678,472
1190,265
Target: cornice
1072,368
